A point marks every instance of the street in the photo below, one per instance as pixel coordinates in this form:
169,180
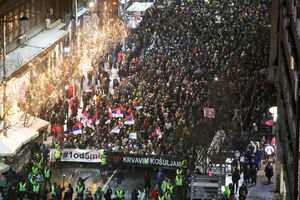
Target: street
132,179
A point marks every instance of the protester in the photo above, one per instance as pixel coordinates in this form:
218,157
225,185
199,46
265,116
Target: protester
269,171
155,192
135,195
147,184
243,191
235,180
108,193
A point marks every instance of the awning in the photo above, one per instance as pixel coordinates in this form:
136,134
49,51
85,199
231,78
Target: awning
14,140
3,167
37,123
32,48
82,11
139,7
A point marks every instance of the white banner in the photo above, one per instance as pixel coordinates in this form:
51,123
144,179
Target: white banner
132,136
77,155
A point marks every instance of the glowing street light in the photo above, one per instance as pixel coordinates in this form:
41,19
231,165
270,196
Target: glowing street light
4,81
273,111
91,4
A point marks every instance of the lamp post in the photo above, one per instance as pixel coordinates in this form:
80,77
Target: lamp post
125,25
23,18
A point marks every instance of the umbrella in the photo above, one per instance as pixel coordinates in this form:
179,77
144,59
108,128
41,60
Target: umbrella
88,90
263,71
269,123
198,71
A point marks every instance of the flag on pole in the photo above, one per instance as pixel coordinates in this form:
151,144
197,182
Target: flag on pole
110,116
137,105
83,119
95,119
129,119
157,132
118,112
116,129
108,107
88,120
77,128
129,110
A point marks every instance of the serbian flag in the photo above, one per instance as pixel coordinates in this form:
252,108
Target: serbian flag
118,112
129,111
108,107
116,129
77,128
110,116
95,119
83,119
129,119
137,105
88,119
157,132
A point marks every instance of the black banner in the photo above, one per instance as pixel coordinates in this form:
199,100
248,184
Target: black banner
142,161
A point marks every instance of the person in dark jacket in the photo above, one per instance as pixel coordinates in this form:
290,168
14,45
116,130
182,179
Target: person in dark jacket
243,192
108,193
68,195
269,171
253,175
235,179
58,191
45,192
12,193
135,195
147,184
69,192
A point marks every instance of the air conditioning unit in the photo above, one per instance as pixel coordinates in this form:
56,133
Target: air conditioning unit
50,11
22,39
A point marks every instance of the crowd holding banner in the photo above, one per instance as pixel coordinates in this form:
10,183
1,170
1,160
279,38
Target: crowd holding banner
115,158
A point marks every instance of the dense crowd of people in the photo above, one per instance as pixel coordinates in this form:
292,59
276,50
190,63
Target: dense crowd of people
181,58
174,71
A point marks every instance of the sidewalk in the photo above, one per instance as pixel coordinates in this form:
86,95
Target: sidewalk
262,190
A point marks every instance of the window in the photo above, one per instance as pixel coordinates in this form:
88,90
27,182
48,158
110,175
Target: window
10,36
10,24
16,16
33,8
27,24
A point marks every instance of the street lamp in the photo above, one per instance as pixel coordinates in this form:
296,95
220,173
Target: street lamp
23,18
91,4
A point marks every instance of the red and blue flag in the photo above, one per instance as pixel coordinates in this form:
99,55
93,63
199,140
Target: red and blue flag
77,128
157,132
116,129
95,119
129,119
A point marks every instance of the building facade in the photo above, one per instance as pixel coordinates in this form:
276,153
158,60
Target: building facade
34,46
284,69
42,39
